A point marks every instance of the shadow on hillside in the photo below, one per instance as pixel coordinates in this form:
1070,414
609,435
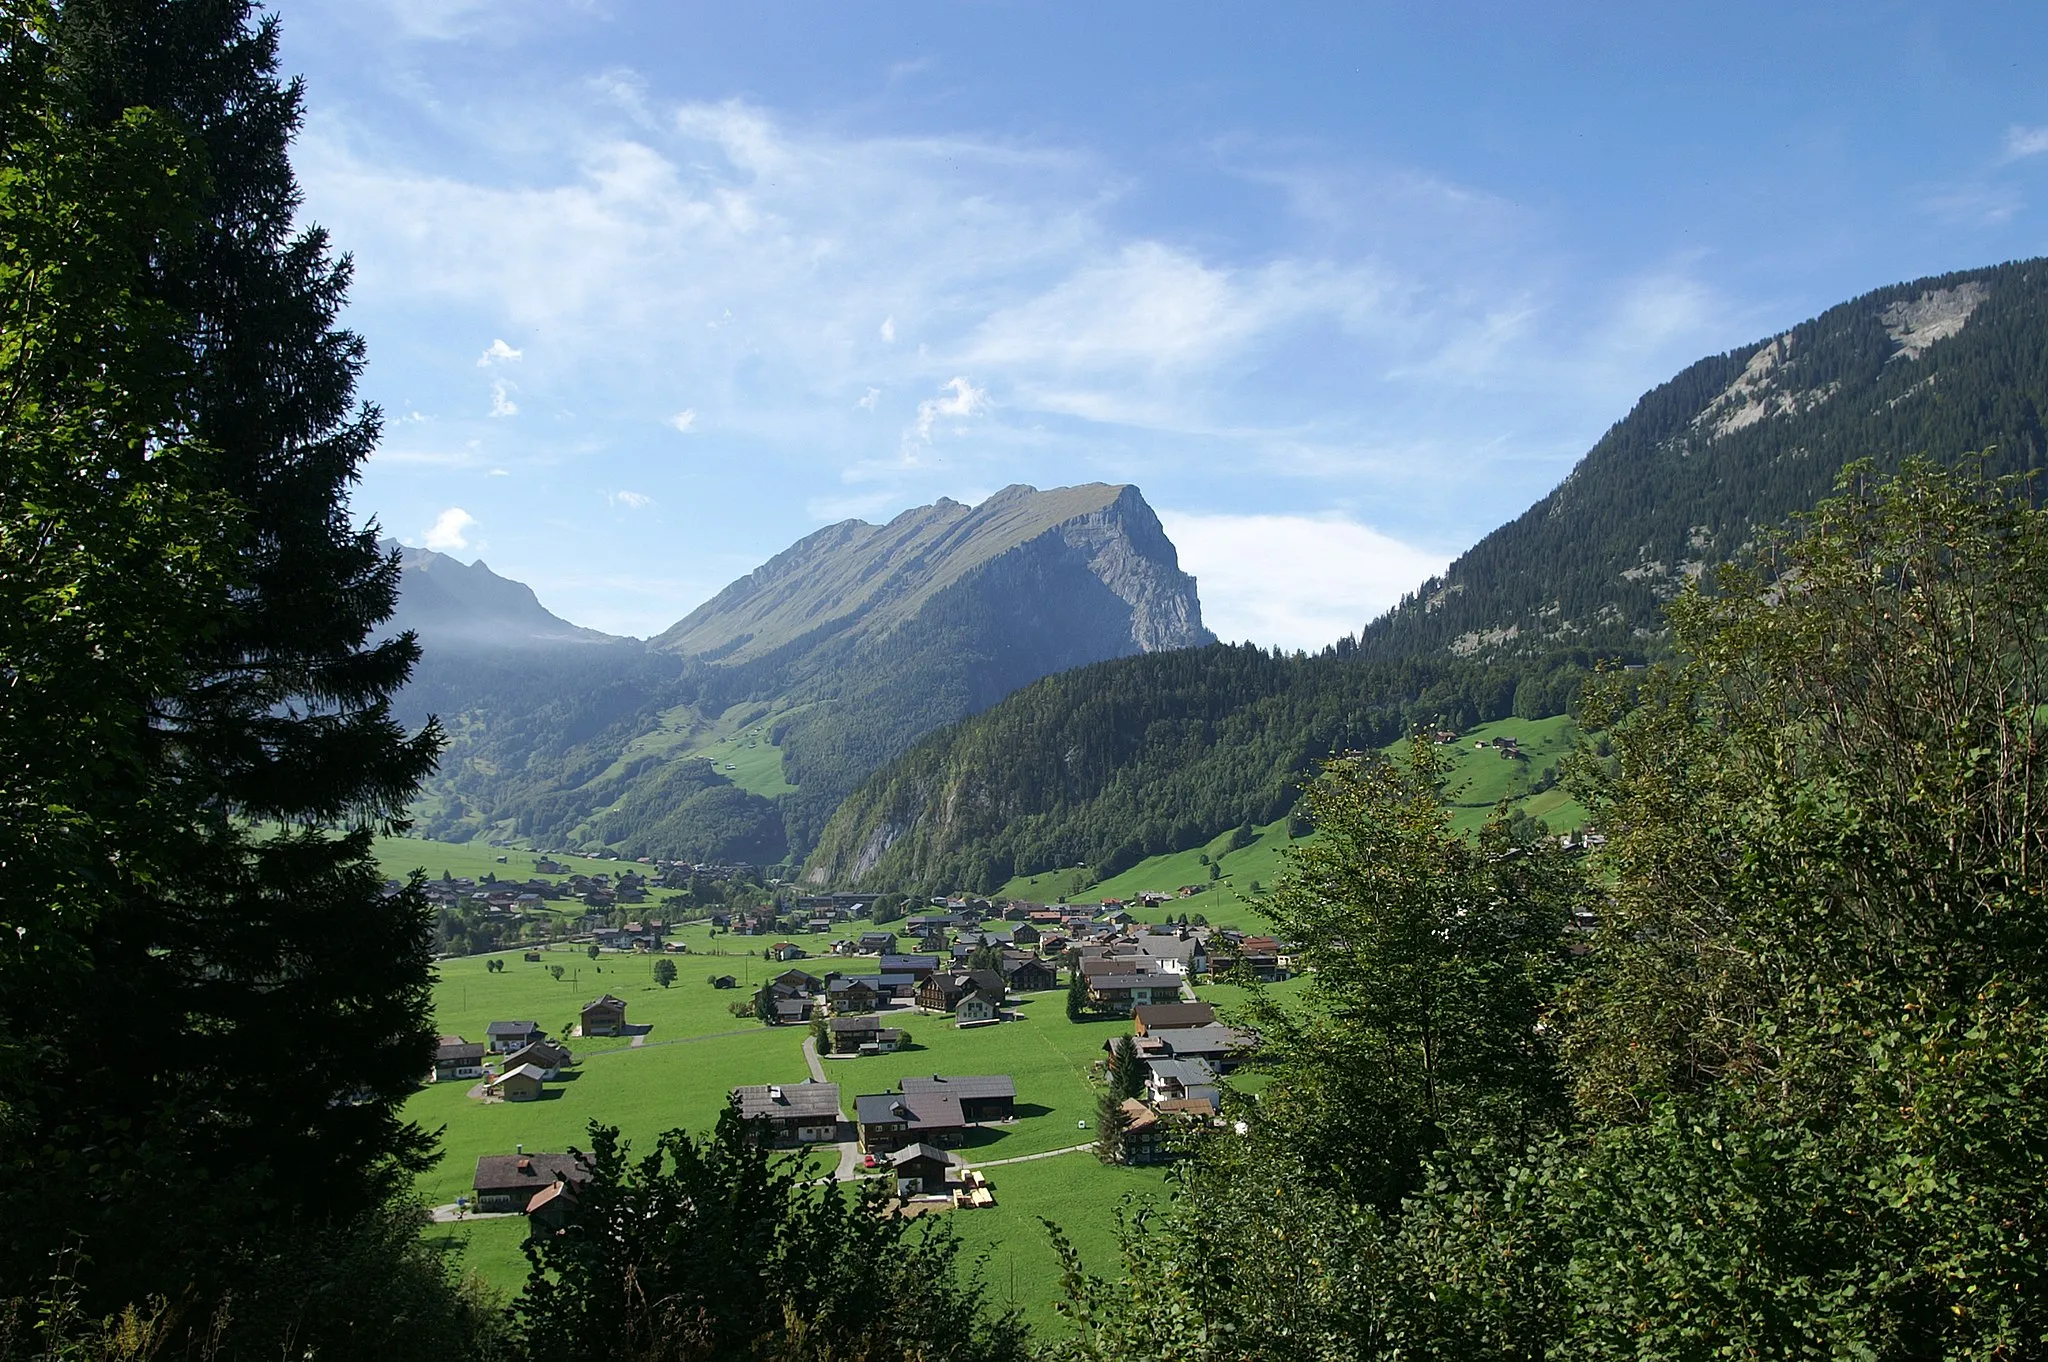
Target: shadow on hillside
1027,1110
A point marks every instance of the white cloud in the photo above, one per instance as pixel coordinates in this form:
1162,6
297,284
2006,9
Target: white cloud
498,353
962,400
684,420
887,330
868,399
450,530
501,400
2022,142
1294,581
637,501
500,473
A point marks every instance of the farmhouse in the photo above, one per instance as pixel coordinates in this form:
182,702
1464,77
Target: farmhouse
508,1036
920,1168
1145,1137
977,1006
543,1055
799,1113
509,1182
455,1058
943,992
888,1121
981,1097
849,993
604,1016
1124,992
1174,1080
1028,975
863,1035
523,1084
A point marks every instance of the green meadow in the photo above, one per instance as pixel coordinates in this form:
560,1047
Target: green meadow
694,1052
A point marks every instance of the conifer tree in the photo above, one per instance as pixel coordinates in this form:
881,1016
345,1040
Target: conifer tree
279,994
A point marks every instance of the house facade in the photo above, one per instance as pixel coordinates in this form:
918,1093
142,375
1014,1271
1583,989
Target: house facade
604,1016
797,1113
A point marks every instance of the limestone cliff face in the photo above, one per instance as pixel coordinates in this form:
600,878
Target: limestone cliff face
859,582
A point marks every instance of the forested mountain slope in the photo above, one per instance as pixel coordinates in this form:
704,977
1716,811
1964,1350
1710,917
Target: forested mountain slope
1138,757
1740,441
810,672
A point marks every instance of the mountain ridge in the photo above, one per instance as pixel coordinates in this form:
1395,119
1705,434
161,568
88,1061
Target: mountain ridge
447,601
1143,756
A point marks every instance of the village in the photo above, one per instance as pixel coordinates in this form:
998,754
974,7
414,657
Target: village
880,1018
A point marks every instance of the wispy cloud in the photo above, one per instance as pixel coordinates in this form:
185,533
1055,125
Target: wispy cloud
501,400
450,531
1294,581
634,501
2022,142
684,420
959,399
497,353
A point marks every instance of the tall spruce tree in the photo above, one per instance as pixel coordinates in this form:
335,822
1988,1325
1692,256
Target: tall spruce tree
246,1008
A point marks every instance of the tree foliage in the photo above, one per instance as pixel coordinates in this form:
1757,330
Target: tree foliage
714,1248
1806,1047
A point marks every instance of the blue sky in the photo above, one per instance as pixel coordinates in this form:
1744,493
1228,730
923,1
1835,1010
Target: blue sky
653,289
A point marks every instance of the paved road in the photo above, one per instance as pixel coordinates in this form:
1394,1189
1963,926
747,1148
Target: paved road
1027,1158
811,1058
445,1215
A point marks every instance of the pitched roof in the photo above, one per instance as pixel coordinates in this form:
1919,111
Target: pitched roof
1214,1039
788,1099
500,1172
606,1001
968,1086
1170,1016
511,1028
1133,981
920,1111
532,1071
919,1150
454,1052
1189,1073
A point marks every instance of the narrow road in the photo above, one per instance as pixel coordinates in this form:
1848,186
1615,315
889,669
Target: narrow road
811,1058
1027,1158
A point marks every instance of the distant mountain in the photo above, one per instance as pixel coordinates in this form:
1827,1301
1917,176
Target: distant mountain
854,581
1136,757
446,601
803,677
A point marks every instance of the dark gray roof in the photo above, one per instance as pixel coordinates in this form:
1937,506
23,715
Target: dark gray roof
448,1053
921,1111
795,1099
1187,1072
511,1028
1158,981
968,1086
1214,1039
842,982
893,963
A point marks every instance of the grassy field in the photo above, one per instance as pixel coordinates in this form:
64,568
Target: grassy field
695,1051
400,856
1480,777
1228,901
